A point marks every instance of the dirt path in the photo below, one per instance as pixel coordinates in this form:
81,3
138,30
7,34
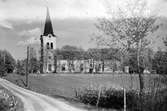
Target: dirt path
37,102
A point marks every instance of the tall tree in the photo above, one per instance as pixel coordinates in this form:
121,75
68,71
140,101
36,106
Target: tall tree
160,62
20,67
128,29
7,62
34,65
71,52
2,64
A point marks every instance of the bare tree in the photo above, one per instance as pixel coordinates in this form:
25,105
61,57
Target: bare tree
129,28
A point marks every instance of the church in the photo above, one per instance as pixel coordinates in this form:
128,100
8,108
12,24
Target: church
48,58
47,48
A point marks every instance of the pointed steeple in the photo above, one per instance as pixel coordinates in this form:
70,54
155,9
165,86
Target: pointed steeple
48,29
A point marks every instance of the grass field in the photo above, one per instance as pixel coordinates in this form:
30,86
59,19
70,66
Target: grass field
64,85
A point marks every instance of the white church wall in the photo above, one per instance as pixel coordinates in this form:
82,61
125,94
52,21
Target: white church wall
49,40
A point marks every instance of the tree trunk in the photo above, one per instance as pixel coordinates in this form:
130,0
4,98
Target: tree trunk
141,82
27,69
42,56
55,63
102,65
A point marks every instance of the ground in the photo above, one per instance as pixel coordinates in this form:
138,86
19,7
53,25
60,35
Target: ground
33,101
8,101
64,85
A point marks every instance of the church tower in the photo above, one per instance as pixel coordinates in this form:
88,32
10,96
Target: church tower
48,46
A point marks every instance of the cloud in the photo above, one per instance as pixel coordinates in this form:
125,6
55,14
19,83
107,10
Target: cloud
61,9
29,41
6,25
31,37
4,0
32,9
31,32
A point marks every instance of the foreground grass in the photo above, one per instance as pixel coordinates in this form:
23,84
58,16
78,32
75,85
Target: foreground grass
65,85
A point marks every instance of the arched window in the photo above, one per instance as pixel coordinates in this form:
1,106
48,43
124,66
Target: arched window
47,45
51,45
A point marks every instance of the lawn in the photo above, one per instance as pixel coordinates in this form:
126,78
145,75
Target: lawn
64,85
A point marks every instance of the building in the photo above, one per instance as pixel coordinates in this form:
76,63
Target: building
50,64
48,46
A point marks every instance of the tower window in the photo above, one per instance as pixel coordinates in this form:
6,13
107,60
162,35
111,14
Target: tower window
47,45
51,45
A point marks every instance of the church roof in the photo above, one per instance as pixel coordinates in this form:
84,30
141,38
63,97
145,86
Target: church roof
48,29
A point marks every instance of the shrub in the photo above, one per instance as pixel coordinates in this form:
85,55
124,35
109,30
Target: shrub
114,99
9,102
4,106
105,98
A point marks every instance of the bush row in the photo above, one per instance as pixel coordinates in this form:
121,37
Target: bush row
114,99
8,102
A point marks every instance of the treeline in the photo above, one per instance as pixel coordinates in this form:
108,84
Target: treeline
7,62
33,63
67,52
155,62
159,62
74,53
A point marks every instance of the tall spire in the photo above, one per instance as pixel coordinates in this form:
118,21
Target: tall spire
48,29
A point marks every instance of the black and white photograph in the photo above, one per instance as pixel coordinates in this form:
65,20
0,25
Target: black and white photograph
83,55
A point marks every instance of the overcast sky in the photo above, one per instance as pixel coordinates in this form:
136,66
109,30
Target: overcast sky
21,21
